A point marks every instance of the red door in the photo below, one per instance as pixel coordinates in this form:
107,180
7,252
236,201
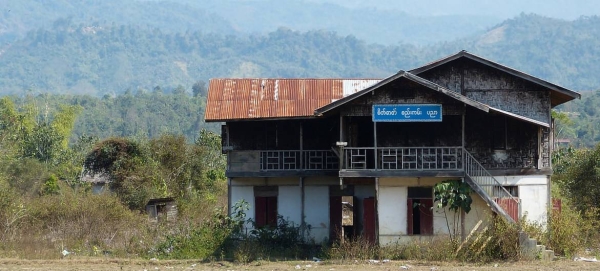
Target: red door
424,215
369,219
335,218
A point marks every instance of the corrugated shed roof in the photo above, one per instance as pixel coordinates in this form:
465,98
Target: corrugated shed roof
253,98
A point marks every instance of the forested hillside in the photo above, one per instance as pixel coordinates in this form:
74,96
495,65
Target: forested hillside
99,59
141,114
107,60
19,17
582,124
383,25
242,17
571,9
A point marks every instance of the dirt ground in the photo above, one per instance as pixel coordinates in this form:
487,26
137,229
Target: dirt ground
150,265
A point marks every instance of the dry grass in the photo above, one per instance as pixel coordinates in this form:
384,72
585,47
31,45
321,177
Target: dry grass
98,263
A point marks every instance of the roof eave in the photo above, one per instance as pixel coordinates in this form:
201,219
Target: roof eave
411,77
262,119
513,115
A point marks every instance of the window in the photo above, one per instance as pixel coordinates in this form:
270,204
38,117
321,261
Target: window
498,132
420,213
265,200
513,190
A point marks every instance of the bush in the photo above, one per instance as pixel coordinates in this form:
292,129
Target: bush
498,241
285,240
85,223
353,249
223,237
12,213
209,239
571,232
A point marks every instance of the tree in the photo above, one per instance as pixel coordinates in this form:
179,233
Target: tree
578,178
456,196
199,89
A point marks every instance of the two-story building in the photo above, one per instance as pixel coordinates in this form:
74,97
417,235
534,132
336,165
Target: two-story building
360,156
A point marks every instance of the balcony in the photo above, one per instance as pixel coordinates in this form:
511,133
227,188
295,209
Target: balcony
298,160
282,163
357,162
402,161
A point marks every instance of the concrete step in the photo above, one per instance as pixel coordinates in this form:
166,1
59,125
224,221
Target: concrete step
547,255
540,248
531,250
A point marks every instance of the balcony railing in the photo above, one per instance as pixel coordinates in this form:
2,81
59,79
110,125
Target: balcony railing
403,158
298,160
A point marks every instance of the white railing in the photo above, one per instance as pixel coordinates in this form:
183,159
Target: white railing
403,158
298,160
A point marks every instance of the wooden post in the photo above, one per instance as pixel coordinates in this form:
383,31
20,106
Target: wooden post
228,196
540,148
341,128
464,114
302,222
301,147
377,210
375,143
463,234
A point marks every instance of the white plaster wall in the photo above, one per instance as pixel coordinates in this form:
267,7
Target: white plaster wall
316,211
289,204
534,202
523,180
393,194
439,220
392,213
246,193
533,193
480,211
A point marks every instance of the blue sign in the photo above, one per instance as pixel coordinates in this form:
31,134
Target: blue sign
407,112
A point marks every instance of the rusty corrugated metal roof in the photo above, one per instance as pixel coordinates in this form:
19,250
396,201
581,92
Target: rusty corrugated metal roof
253,98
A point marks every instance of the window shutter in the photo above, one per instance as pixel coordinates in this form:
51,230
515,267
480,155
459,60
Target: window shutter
260,211
426,216
409,216
271,211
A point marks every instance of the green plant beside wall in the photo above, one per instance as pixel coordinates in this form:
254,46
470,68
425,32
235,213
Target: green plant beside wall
456,196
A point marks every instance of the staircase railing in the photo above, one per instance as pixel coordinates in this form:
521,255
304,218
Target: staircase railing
489,187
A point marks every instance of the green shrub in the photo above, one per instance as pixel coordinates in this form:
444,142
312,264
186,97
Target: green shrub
209,239
352,249
571,232
81,221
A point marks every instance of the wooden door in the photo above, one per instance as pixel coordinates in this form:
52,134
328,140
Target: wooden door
335,218
369,220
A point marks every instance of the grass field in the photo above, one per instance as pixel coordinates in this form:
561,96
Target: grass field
148,265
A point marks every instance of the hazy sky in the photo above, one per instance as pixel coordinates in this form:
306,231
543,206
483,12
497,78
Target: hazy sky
564,9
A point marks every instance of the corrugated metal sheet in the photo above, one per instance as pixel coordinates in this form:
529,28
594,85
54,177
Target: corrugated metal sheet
253,98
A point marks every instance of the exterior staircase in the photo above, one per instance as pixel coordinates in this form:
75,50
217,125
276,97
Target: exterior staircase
498,198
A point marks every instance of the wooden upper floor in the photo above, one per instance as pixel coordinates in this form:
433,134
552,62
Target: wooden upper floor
348,128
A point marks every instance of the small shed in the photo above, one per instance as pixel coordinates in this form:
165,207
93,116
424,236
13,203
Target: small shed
99,182
161,209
